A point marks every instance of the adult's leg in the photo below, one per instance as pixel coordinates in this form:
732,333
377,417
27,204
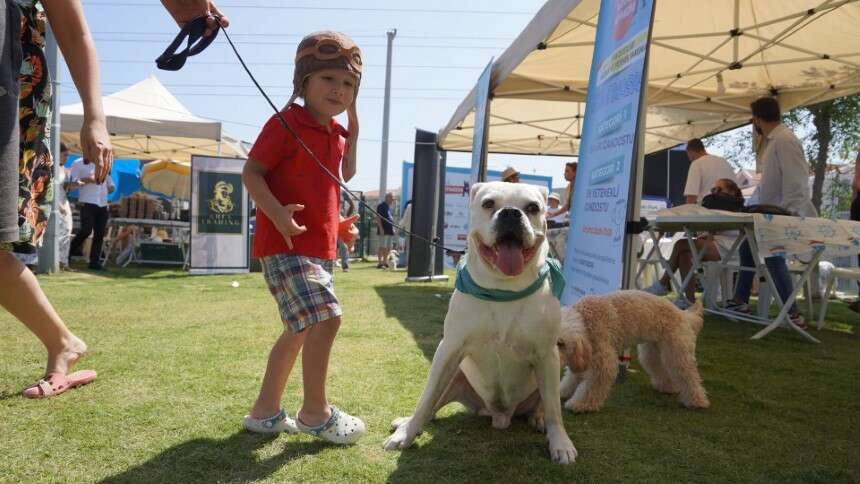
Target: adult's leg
344,254
100,219
745,278
685,263
87,223
782,279
23,297
384,248
20,293
315,356
680,250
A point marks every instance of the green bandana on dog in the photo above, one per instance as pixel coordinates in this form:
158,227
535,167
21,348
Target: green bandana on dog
552,268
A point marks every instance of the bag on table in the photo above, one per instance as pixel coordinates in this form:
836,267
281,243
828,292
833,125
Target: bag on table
721,201
768,209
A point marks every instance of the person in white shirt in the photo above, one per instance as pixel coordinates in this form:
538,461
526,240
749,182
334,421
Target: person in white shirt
553,200
784,183
94,211
570,176
705,170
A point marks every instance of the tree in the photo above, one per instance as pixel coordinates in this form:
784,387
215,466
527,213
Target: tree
827,130
835,130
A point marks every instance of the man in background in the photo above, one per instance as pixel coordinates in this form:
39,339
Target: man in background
705,170
92,202
784,183
385,230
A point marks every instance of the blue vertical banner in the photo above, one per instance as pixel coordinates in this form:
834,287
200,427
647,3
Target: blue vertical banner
605,189
482,117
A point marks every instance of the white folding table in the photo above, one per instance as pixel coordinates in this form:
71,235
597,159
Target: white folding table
744,224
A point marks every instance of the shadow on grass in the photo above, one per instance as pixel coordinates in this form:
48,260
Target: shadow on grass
216,460
419,309
465,448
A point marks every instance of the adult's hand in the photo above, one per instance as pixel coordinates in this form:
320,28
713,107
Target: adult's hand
184,11
96,147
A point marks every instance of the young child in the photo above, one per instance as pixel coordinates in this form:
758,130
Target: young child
298,221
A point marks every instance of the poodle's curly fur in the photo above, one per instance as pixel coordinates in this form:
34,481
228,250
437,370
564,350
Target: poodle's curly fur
597,328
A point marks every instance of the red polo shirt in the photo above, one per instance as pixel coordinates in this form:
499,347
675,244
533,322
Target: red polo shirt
294,177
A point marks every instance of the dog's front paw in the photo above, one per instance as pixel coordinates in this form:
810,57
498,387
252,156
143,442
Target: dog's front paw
697,401
402,436
561,450
664,387
399,422
576,406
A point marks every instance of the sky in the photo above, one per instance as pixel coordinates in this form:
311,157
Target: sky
439,51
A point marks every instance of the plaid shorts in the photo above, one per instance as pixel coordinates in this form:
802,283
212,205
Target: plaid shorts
303,288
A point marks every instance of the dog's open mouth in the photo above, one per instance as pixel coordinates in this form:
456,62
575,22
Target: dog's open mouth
509,255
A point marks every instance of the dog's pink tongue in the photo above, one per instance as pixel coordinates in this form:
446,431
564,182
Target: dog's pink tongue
509,259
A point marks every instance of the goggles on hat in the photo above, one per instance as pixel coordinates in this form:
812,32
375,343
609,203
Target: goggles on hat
328,49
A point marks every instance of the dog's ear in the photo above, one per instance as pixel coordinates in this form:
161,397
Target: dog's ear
581,357
573,341
473,190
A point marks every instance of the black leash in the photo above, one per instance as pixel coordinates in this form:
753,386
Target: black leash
171,59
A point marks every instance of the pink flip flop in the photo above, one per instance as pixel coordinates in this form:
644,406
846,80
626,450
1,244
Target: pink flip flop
56,383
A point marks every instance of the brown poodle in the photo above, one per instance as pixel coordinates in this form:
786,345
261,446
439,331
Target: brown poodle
597,328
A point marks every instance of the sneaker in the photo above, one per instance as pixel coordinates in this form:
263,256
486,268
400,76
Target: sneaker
346,269
798,321
737,307
657,289
95,266
281,422
341,428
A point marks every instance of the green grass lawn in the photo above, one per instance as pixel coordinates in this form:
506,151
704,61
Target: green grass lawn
180,360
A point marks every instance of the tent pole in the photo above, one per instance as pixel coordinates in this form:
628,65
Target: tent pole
49,251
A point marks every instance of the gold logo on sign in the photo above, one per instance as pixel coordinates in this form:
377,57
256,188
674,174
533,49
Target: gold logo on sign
220,201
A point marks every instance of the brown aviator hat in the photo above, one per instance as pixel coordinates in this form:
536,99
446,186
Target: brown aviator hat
325,50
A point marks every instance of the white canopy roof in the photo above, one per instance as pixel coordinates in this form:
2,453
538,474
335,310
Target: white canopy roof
708,61
146,121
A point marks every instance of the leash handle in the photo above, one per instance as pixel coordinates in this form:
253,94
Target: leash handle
194,31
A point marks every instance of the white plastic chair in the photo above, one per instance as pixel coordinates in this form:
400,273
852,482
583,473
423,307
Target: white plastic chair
851,273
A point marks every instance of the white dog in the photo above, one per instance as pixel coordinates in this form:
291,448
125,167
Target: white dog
391,260
498,355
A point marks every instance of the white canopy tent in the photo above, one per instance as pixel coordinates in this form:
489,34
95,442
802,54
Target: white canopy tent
147,122
708,61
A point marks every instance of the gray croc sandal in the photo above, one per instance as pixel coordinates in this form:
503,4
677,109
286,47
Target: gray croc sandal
281,422
341,428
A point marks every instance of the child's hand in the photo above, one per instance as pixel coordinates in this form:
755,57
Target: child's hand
346,231
352,117
285,223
